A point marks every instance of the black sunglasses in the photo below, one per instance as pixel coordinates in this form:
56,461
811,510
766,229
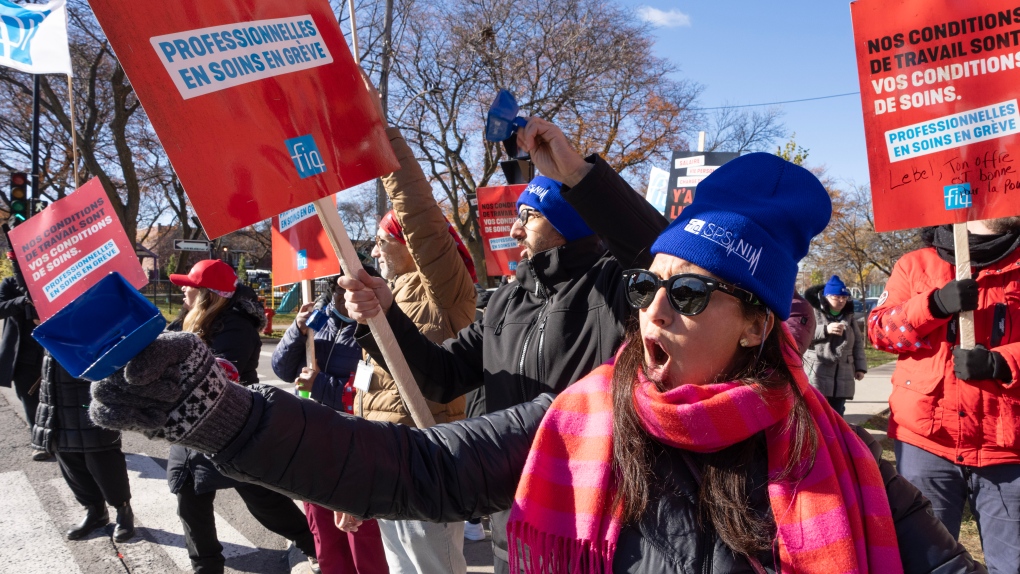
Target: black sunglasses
688,292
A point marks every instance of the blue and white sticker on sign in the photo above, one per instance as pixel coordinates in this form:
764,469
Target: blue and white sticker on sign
305,155
302,260
957,196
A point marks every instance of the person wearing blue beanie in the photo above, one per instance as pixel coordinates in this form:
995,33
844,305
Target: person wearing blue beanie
543,194
835,288
835,359
750,223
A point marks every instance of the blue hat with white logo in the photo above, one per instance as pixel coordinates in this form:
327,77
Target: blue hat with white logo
750,223
544,195
835,286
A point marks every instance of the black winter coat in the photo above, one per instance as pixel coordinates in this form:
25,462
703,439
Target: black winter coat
565,315
16,343
234,336
470,468
62,422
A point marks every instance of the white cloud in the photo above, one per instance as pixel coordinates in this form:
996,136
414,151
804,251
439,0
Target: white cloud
671,18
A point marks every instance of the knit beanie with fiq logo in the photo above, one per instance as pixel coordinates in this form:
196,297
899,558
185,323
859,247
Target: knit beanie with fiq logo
543,194
750,223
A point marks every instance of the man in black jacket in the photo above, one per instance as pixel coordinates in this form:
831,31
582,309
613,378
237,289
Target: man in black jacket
565,314
20,355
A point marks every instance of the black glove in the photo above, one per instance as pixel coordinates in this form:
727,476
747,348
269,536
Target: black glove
980,364
956,296
169,390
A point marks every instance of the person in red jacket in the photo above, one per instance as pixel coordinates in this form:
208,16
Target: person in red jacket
955,412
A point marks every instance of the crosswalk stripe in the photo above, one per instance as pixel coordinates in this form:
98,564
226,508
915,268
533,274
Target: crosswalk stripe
156,509
25,531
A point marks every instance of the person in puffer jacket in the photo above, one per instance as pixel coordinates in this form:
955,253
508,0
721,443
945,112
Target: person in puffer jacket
228,317
701,447
835,359
89,456
955,412
331,384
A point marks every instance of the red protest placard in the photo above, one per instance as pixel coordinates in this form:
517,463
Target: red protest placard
70,246
258,103
301,249
497,210
939,85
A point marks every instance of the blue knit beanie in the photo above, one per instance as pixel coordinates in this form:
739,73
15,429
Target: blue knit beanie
835,286
750,223
544,195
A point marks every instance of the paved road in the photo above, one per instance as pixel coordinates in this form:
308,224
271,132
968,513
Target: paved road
36,507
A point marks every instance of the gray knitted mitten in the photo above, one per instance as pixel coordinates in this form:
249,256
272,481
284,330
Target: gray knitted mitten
175,390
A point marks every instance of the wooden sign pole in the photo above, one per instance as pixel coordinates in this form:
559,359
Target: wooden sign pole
349,262
962,248
306,298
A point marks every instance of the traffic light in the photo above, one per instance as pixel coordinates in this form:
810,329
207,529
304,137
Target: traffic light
19,197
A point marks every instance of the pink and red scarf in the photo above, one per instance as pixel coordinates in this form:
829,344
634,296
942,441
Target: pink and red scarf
835,518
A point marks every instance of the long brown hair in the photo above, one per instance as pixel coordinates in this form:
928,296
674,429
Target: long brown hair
200,317
724,495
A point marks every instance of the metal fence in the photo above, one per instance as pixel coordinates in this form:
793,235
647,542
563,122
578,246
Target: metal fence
164,295
169,297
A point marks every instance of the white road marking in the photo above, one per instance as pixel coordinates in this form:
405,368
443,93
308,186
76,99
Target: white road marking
26,530
156,509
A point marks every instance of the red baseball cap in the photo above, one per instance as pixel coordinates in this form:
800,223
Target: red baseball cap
212,274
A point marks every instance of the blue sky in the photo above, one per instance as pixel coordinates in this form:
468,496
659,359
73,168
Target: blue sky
747,52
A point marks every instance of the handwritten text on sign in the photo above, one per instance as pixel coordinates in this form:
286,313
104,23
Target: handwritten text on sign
219,57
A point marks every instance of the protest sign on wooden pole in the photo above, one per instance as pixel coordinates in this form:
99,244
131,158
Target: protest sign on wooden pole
497,212
939,91
261,108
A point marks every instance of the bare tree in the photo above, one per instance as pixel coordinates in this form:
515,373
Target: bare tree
357,211
110,123
850,246
585,64
743,130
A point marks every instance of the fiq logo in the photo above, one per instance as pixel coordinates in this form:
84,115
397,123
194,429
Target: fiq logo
957,196
17,27
305,155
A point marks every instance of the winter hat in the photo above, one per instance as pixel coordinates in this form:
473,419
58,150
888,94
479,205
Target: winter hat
211,274
750,223
835,286
390,224
544,195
